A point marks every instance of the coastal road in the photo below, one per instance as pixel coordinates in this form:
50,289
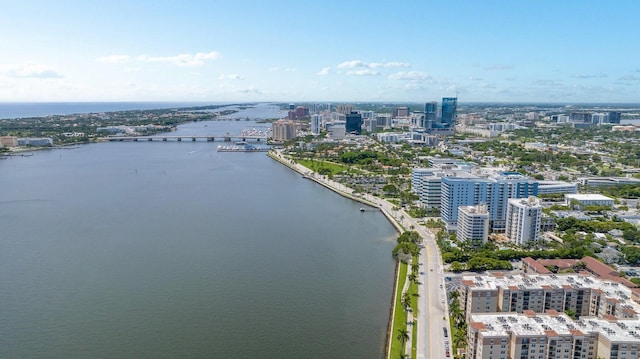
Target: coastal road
432,300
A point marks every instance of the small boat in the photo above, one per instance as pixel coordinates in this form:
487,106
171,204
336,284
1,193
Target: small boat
361,209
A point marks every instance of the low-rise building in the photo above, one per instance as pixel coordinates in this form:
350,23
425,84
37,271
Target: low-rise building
590,199
8,141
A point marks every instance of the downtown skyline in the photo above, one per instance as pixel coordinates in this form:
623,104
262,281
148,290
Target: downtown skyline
542,51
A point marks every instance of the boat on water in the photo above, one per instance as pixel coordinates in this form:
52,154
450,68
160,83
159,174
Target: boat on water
361,209
243,148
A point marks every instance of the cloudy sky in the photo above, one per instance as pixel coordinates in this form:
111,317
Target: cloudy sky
304,50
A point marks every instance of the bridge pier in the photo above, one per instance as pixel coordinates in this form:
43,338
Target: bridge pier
179,139
164,139
135,140
209,139
227,139
149,139
193,139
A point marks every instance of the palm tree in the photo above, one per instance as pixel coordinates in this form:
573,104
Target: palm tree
415,267
403,336
406,300
413,277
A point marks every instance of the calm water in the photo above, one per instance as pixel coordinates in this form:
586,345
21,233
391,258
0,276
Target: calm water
172,250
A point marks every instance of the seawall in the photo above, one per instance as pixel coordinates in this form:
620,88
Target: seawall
391,220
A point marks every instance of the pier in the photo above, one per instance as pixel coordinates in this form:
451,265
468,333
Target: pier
185,138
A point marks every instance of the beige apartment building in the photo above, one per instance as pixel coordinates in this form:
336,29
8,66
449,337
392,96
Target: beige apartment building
551,335
582,294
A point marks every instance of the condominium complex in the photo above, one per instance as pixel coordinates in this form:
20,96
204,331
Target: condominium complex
520,316
493,190
473,224
523,220
551,335
582,294
284,130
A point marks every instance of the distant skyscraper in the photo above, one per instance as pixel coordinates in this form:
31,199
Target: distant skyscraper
449,111
614,117
354,123
316,124
345,109
430,115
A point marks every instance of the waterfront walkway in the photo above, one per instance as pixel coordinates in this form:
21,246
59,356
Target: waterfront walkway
432,316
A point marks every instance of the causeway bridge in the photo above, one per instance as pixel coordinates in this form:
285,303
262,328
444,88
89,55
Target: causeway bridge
191,138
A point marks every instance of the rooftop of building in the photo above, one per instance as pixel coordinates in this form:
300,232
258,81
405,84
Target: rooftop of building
609,288
531,201
555,183
588,197
553,323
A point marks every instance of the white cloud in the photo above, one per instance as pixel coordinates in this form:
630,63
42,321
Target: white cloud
229,77
473,78
374,65
290,69
410,76
250,90
324,71
182,59
114,59
351,64
498,67
589,76
30,70
629,78
363,72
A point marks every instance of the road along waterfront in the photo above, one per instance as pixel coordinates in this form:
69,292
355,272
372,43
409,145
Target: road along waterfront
432,302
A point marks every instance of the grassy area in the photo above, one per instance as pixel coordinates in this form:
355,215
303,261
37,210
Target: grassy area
398,312
413,289
400,315
323,167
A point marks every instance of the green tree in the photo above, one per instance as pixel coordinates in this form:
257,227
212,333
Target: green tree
403,336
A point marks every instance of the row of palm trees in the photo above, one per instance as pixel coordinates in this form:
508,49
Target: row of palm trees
406,302
458,323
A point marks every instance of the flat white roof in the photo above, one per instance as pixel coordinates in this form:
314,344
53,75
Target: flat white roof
502,324
588,197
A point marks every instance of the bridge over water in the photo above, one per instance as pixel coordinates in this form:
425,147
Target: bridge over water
191,138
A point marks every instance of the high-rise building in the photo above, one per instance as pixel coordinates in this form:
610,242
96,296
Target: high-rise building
400,112
614,117
473,224
493,191
430,115
354,123
449,111
523,220
283,130
316,124
345,109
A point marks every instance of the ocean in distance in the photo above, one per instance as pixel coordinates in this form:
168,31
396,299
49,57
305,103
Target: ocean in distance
40,109
171,250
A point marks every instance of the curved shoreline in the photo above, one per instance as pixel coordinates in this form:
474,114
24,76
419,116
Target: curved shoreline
391,220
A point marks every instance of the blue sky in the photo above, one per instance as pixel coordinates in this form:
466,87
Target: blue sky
345,51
